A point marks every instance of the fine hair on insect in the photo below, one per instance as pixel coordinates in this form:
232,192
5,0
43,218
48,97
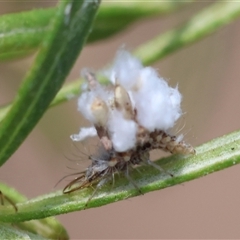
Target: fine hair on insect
131,116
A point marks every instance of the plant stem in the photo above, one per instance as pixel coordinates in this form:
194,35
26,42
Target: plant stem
21,33
206,22
214,17
9,232
213,156
202,24
49,228
59,51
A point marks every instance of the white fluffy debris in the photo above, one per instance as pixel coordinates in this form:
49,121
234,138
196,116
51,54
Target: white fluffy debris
122,131
137,97
84,133
157,104
125,69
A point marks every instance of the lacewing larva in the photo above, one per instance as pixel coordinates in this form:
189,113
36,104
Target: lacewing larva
131,117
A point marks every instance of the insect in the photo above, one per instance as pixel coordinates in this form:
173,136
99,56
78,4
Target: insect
107,163
6,198
131,117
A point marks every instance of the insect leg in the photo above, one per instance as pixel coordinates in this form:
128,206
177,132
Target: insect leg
99,185
4,197
131,181
158,167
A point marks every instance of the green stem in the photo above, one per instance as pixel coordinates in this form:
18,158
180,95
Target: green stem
110,9
21,33
14,195
206,22
49,228
202,24
9,232
58,53
213,156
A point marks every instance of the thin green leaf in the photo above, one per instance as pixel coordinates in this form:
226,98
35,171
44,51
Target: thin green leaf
115,16
53,63
118,9
213,156
12,193
21,33
202,24
9,232
49,228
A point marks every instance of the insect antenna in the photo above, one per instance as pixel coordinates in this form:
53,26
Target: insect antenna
73,160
